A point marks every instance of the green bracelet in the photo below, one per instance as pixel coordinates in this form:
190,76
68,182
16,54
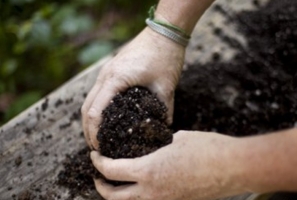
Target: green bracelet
151,13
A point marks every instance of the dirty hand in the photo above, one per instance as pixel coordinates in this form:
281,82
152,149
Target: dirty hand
150,60
192,167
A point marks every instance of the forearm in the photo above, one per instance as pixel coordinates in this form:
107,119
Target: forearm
183,14
267,163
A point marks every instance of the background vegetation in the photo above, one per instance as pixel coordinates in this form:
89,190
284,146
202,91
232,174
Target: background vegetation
44,43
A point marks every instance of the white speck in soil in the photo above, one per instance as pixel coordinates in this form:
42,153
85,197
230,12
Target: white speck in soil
274,105
252,106
258,92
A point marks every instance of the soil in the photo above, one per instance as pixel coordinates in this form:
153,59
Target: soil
78,174
254,93
134,124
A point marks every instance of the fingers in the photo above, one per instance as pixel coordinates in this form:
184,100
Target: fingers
170,111
165,95
118,170
109,192
108,90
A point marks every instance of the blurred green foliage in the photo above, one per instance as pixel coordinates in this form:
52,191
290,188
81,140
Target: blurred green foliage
44,43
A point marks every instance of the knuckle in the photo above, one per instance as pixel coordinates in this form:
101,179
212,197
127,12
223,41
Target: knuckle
180,132
117,82
181,135
99,80
92,114
116,77
167,92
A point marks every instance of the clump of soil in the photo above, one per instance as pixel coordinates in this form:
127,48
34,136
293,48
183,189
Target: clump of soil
134,124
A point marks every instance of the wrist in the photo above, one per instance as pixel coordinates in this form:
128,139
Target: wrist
169,31
175,20
183,14
187,29
245,164
163,41
266,163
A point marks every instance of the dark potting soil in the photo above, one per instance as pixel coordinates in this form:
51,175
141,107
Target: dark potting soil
134,124
253,93
78,174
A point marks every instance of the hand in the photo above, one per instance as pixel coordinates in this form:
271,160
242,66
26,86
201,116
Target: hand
150,60
192,167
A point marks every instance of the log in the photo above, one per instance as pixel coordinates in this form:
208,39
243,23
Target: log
33,145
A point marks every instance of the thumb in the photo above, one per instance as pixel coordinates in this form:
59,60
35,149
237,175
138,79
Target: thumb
165,95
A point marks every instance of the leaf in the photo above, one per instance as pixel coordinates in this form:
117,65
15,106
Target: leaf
40,33
75,24
121,31
8,67
94,51
24,30
47,10
62,13
19,48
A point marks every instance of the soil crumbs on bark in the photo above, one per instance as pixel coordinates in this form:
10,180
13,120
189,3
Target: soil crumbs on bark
78,174
253,93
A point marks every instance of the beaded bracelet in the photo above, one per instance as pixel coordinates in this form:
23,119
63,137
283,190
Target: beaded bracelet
166,29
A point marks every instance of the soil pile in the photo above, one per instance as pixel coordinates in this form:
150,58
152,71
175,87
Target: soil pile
256,91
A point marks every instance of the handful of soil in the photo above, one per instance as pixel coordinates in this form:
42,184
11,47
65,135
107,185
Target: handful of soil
134,124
